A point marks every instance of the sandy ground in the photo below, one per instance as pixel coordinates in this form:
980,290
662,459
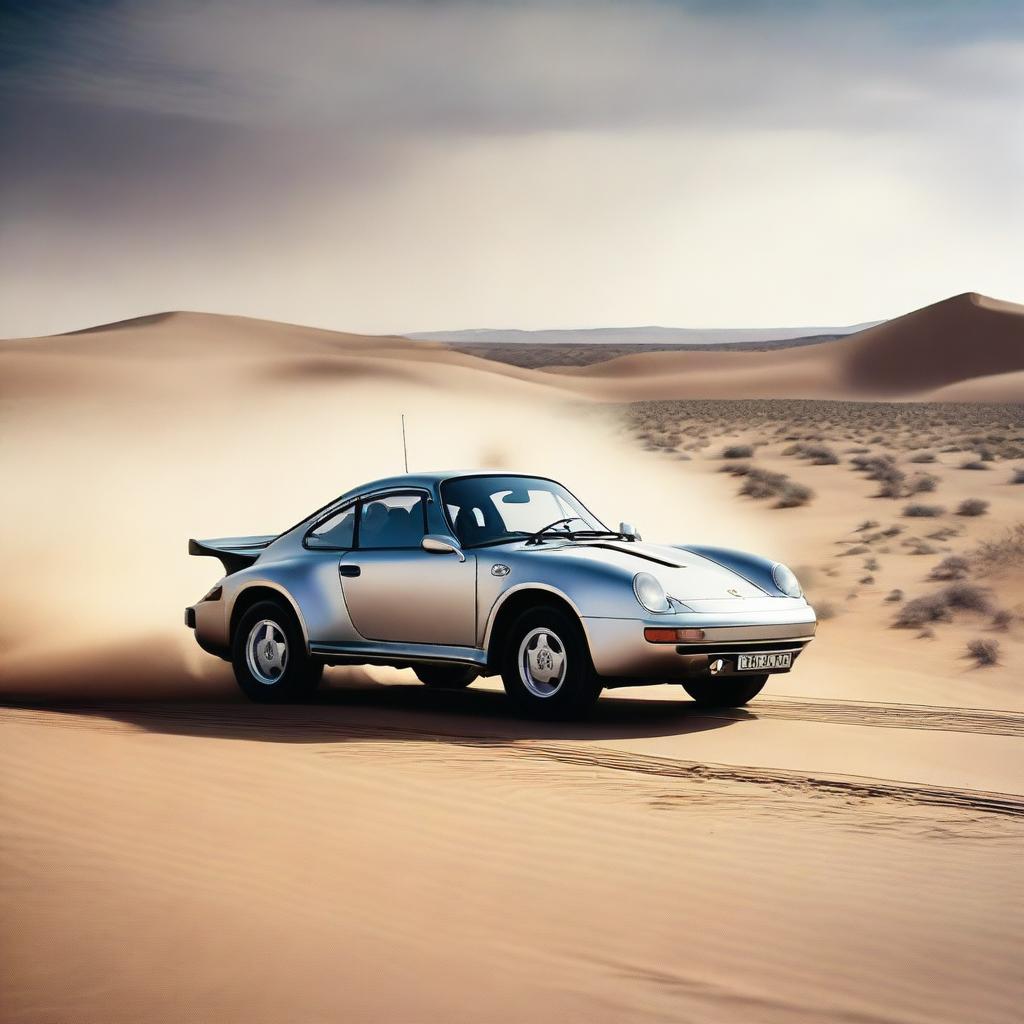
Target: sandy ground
846,848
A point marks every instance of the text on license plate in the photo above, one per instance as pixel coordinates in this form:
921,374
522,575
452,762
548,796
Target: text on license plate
760,662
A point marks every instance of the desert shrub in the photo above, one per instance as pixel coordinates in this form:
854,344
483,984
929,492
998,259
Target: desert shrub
938,607
825,610
868,524
857,549
953,567
819,454
923,511
894,596
759,483
866,581
925,483
922,610
972,507
1018,476
984,652
872,564
738,451
1002,618
922,457
974,464
794,495
1002,552
966,597
916,546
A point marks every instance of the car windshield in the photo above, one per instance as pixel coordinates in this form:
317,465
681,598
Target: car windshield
491,509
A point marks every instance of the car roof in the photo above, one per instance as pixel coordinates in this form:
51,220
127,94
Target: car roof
428,479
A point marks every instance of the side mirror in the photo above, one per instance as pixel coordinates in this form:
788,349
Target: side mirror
629,530
442,544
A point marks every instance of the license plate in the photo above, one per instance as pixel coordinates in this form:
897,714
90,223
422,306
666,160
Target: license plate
762,662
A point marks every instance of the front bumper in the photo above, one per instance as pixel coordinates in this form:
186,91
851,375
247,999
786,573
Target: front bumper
621,653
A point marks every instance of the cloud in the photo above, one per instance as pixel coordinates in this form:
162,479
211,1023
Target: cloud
470,67
442,164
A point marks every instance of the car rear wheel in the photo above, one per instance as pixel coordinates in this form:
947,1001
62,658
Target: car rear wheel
269,656
724,691
445,677
546,667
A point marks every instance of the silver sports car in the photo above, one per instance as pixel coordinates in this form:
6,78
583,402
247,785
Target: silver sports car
459,575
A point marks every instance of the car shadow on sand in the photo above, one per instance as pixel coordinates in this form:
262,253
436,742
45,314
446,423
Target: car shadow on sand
366,710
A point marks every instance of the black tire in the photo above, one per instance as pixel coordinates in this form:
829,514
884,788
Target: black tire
724,691
445,677
577,688
299,675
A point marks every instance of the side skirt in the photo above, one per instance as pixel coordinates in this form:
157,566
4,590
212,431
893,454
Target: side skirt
363,652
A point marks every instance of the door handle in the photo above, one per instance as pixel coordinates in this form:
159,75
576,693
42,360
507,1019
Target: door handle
349,570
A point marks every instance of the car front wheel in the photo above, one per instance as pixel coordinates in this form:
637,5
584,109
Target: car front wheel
546,667
724,691
269,656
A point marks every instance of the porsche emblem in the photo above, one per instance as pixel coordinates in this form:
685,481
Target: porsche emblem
735,593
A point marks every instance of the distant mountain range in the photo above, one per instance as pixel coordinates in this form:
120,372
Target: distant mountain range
638,335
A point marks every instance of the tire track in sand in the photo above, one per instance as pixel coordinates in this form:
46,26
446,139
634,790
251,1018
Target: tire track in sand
309,724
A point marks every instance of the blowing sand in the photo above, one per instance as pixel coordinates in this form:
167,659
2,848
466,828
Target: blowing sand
846,848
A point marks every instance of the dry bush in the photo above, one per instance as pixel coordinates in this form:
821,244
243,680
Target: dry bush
953,567
916,546
1002,619
967,597
972,507
866,581
922,484
738,451
761,484
923,511
1018,476
894,596
984,652
939,607
922,610
868,524
825,610
857,549
794,495
818,454
1003,552
974,464
922,457
872,564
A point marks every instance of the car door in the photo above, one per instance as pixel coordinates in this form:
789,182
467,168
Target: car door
394,590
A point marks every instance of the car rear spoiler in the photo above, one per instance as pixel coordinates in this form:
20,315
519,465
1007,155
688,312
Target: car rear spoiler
235,553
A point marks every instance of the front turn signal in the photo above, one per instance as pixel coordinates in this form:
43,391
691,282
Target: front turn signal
662,635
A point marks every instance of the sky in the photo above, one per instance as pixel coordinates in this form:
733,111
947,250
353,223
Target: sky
448,164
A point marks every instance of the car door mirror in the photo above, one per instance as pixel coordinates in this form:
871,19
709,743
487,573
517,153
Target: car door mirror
442,544
629,530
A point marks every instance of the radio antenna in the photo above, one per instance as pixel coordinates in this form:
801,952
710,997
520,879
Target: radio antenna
405,450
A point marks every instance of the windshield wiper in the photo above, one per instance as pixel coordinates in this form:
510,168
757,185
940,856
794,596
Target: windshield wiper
535,537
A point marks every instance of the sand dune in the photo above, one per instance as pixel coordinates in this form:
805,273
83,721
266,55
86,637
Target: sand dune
398,853
958,339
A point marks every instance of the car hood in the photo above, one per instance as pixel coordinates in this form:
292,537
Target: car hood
688,577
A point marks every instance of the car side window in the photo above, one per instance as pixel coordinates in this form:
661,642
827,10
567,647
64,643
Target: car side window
336,532
393,521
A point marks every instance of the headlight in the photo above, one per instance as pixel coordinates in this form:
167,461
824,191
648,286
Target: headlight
785,579
650,593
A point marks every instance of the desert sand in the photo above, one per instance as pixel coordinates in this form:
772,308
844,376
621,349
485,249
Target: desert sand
846,848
